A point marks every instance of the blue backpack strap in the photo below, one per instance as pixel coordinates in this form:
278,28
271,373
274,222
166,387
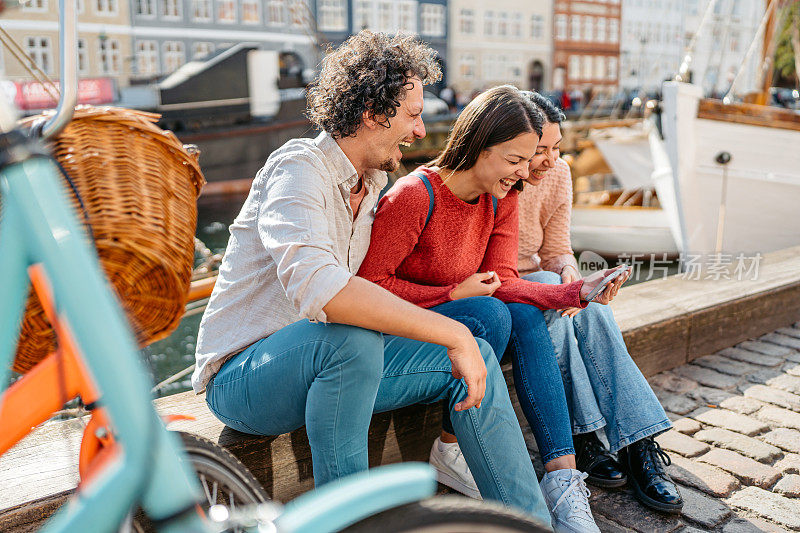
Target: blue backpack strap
425,181
494,205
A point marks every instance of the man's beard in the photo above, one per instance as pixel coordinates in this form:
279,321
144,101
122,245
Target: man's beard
389,165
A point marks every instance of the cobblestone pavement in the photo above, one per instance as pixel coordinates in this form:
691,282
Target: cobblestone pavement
735,445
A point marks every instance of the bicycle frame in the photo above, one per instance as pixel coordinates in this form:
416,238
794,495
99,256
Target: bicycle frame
38,228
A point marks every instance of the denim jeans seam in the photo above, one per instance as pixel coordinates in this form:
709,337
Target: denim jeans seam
338,405
588,428
590,353
418,371
526,389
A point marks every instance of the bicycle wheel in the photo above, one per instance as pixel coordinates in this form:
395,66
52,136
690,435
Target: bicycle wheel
224,479
448,514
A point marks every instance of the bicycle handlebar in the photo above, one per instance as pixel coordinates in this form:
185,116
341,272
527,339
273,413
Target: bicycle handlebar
68,38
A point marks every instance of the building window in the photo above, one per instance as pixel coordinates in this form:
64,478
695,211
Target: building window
83,59
611,69
432,18
276,12
561,27
516,25
174,56
146,58
575,27
202,49
171,9
466,66
251,11
502,24
110,56
613,31
40,52
298,13
226,11
574,67
35,6
362,15
201,10
466,22
586,28
599,68
488,23
601,34
106,7
331,15
537,26
586,67
408,17
146,8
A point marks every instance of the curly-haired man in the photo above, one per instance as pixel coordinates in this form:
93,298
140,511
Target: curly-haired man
292,337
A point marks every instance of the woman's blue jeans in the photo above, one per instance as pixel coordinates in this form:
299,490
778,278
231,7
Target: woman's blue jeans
604,387
520,330
332,377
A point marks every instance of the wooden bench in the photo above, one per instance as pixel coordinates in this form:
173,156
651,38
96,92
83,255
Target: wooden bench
666,323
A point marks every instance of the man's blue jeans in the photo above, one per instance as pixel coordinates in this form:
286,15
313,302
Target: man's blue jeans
604,387
332,377
521,331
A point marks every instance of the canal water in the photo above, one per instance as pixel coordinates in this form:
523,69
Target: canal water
173,354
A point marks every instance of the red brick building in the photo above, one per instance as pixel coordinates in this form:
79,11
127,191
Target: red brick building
586,35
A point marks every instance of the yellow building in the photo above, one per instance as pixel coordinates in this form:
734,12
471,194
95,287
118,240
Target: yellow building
104,41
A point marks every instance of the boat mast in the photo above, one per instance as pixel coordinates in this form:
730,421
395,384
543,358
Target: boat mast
761,97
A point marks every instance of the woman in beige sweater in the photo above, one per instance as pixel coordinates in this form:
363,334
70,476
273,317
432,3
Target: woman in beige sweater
604,387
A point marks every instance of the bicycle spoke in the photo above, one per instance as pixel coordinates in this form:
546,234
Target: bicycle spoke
216,488
205,489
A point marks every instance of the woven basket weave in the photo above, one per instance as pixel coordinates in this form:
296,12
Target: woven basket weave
139,190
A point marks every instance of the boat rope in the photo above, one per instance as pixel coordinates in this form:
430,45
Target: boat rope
29,64
683,71
728,98
173,378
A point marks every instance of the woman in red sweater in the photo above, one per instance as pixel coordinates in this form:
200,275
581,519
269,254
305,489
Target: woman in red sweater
445,238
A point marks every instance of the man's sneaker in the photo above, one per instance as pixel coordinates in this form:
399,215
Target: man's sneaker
452,469
567,498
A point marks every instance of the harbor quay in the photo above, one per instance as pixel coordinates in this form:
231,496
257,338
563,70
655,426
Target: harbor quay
722,355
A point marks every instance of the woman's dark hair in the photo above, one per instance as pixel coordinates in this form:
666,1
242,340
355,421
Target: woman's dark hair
493,117
552,114
368,72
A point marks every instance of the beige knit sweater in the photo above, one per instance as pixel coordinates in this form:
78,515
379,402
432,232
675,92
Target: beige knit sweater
544,216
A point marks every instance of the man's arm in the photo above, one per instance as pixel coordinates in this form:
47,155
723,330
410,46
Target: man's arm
364,304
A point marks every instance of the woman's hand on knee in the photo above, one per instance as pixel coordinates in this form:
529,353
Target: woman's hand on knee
467,364
480,284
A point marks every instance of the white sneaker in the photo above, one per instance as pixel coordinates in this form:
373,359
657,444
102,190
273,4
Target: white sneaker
452,469
567,498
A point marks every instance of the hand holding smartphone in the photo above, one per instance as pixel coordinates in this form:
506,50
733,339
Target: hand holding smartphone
606,281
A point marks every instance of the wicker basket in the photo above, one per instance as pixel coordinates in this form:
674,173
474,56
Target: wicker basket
139,188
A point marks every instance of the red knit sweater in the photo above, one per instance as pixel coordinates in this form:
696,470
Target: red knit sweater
423,265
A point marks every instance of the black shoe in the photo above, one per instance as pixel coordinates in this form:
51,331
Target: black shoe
644,461
593,458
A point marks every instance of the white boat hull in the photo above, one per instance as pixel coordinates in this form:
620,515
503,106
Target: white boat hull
762,197
616,231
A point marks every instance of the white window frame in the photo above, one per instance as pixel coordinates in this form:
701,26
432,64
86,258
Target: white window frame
489,27
601,33
613,31
587,67
176,13
410,16
35,6
256,9
612,69
574,68
562,27
516,24
201,49
109,55
168,55
82,53
466,65
466,22
331,15
502,24
40,52
277,8
150,12
298,13
218,8
106,8
575,27
197,10
537,26
432,20
149,56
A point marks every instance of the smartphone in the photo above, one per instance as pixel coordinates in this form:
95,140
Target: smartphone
603,284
